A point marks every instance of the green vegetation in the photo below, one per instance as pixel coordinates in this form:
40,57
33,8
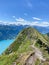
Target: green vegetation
8,59
21,48
37,62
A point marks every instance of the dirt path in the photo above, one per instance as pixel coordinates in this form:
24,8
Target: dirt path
38,53
32,58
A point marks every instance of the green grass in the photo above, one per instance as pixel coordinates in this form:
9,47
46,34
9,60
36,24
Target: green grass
37,62
24,47
22,44
8,59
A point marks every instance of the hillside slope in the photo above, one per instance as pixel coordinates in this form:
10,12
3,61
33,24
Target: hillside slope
29,48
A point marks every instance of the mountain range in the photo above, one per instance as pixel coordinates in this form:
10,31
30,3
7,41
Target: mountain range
11,31
29,48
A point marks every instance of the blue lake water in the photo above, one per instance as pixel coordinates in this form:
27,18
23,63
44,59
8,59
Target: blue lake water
5,44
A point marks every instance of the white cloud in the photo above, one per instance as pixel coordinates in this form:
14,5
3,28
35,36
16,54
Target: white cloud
35,18
42,24
21,21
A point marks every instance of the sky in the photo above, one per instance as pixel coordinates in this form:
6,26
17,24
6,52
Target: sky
31,12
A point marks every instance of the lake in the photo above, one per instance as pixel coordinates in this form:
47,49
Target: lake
5,44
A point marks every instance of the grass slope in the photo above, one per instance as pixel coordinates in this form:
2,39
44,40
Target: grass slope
22,47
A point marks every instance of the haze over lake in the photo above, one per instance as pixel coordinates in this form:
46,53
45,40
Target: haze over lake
4,44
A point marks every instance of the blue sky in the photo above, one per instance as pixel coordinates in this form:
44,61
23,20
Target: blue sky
29,10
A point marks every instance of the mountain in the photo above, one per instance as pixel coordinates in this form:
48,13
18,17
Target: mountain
48,34
42,30
29,48
11,31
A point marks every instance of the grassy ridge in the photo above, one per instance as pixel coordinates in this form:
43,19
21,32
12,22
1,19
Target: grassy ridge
22,46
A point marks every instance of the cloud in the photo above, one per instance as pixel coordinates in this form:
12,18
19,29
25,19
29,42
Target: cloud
21,21
35,18
43,24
